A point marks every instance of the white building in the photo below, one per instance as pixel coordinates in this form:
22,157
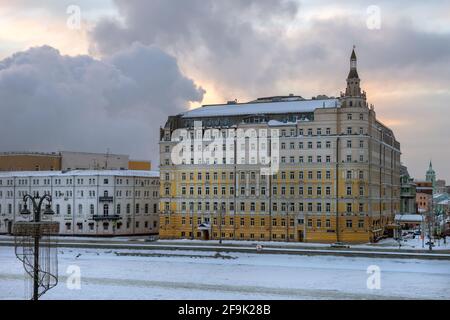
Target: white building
88,203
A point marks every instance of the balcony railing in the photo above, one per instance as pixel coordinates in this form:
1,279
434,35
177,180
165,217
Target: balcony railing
104,217
106,199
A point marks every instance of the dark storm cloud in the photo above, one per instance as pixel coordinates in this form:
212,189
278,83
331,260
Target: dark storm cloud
220,25
51,101
227,40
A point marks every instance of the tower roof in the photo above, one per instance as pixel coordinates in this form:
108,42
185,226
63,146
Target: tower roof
353,57
353,74
430,169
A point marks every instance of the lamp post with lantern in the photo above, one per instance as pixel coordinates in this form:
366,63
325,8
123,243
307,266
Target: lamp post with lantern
36,229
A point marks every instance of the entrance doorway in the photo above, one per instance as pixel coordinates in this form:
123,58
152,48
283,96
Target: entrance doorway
204,228
9,227
205,235
300,235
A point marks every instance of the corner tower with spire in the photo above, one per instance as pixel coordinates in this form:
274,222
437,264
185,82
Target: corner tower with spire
431,176
354,96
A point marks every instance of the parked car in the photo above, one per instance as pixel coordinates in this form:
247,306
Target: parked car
339,245
409,236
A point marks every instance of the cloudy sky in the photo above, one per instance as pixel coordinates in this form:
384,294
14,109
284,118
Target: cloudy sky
111,78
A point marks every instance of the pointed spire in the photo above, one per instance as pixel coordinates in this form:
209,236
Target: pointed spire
353,57
430,170
353,74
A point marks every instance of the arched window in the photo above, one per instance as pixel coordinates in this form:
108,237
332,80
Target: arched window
105,193
58,210
69,209
105,209
92,209
118,209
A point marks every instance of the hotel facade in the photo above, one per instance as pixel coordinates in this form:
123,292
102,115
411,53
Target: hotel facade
336,176
86,202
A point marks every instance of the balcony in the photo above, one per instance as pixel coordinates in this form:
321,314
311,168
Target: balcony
114,217
106,199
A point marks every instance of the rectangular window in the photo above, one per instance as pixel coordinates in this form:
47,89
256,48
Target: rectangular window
349,207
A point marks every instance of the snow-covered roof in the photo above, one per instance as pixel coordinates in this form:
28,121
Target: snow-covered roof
276,123
121,173
441,195
261,108
409,217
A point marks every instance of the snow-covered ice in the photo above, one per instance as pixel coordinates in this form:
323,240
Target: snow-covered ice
184,274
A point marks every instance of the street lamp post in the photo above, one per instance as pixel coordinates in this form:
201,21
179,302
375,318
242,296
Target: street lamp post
430,246
399,232
37,206
192,223
220,222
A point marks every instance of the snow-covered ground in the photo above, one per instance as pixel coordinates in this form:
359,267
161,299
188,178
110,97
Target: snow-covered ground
134,274
406,243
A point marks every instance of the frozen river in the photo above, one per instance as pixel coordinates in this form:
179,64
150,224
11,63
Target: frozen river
134,274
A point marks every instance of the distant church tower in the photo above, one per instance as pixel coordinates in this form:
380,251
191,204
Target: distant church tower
353,96
431,176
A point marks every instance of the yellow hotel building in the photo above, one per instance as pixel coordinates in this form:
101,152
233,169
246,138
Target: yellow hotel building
338,177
